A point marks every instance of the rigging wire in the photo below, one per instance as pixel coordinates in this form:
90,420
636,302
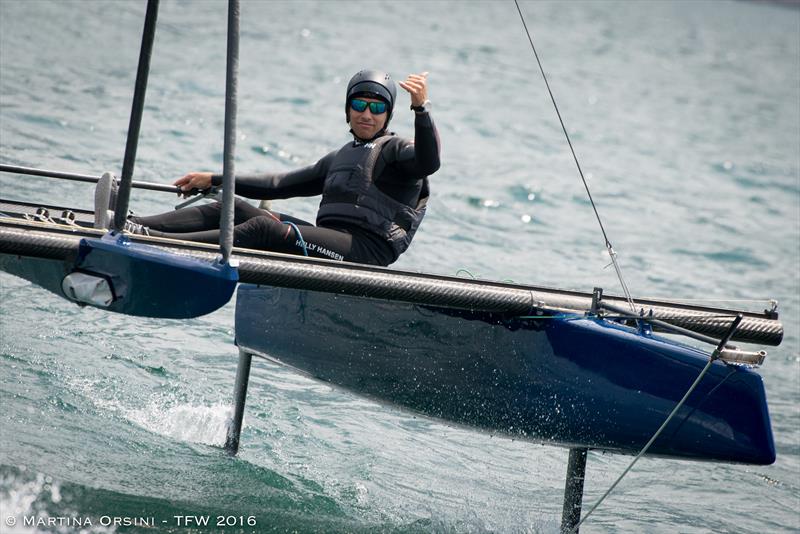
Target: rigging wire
649,443
300,239
714,356
767,301
613,255
609,248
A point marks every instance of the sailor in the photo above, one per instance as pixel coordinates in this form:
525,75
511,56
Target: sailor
374,189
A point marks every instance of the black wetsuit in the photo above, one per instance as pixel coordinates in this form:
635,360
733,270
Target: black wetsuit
405,166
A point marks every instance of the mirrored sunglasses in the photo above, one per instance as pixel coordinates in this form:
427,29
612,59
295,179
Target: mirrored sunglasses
376,108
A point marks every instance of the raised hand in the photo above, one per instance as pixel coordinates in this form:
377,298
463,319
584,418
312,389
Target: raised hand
417,87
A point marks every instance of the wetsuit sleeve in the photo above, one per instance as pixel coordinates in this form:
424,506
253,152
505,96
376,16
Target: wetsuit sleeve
420,158
304,182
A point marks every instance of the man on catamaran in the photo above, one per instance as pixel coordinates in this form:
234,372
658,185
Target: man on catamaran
374,189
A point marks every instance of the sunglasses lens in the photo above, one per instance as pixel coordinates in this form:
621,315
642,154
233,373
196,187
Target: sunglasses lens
358,105
377,107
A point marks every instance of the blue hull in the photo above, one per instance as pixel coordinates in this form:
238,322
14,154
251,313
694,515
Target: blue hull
569,382
141,280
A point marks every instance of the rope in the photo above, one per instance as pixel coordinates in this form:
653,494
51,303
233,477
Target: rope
753,301
714,355
566,316
609,248
299,236
649,443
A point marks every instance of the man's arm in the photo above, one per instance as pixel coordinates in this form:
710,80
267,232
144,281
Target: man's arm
420,158
304,182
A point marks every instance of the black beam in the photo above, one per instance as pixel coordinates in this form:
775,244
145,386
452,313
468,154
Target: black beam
573,491
239,397
137,110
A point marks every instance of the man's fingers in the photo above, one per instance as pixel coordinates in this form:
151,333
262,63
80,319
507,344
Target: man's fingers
411,88
193,180
414,85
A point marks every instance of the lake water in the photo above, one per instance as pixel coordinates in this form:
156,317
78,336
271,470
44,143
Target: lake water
685,117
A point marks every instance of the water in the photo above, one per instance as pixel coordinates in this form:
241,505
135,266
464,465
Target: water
686,120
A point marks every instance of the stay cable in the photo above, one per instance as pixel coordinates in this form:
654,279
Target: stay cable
609,248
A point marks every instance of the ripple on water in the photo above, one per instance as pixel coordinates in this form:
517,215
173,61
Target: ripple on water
737,255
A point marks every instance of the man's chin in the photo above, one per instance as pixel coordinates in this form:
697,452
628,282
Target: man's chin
364,134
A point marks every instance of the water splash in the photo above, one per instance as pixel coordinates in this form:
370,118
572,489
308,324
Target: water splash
185,422
32,503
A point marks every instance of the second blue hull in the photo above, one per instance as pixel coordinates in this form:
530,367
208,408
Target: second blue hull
564,381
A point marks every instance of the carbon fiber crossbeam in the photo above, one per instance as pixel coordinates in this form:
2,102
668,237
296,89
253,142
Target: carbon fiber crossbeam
25,238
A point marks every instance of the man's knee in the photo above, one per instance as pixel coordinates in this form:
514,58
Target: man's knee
261,232
268,224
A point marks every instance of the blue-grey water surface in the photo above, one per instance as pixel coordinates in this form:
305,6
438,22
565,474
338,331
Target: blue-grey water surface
686,120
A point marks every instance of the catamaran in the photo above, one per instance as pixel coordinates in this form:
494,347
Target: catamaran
582,370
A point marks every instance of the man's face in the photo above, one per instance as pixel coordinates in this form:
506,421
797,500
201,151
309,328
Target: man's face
364,124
